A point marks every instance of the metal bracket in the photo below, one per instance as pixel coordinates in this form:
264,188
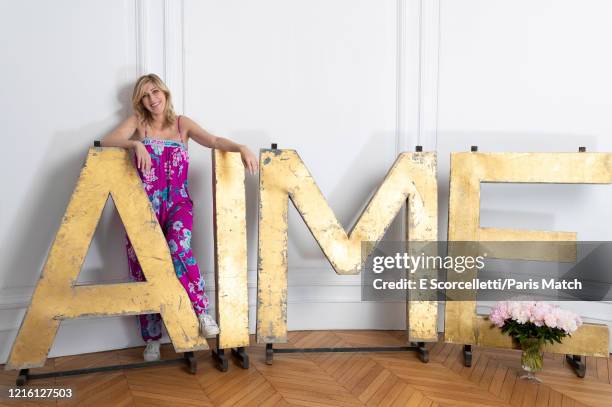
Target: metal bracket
220,359
467,355
188,358
419,348
423,352
241,357
239,354
576,362
269,353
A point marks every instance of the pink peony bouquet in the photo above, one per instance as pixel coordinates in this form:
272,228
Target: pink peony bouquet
534,319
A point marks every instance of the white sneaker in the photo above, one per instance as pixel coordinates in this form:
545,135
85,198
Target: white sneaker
151,352
208,326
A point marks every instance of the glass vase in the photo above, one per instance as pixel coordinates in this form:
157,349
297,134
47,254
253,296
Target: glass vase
532,358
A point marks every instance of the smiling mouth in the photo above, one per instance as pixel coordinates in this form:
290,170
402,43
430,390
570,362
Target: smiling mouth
155,104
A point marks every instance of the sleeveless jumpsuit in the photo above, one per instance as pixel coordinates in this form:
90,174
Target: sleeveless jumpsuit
166,187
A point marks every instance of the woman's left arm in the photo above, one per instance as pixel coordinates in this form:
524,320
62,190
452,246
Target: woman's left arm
201,136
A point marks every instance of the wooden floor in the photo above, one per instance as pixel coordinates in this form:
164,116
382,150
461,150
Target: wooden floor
331,379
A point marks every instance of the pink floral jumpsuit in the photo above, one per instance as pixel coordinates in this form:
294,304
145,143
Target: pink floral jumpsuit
166,186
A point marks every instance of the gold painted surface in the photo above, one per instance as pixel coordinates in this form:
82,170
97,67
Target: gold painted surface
588,340
422,227
229,217
106,171
283,174
468,170
530,245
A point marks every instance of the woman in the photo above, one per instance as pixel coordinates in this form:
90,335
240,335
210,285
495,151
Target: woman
159,139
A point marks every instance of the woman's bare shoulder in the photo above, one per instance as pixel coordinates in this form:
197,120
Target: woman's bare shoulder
187,124
186,120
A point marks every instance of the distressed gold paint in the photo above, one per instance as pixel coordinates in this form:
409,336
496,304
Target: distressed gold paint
106,171
590,339
468,171
229,211
529,245
283,174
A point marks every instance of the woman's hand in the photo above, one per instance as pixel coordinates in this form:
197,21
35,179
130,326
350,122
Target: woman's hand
143,159
249,160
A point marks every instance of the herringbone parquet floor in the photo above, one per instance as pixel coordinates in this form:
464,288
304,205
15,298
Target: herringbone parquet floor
330,379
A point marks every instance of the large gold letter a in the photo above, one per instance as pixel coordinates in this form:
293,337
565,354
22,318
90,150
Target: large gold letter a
106,171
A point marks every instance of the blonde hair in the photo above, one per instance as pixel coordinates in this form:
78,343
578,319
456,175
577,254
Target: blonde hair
143,115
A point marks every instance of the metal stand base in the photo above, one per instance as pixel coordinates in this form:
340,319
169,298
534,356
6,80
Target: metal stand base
419,347
188,358
239,354
423,352
220,359
241,357
467,355
577,364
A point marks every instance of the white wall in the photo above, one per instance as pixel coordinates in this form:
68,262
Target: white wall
348,84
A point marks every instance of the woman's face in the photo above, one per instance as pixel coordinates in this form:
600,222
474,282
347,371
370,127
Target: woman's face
154,99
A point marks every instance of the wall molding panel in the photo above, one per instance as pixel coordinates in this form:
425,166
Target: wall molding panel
159,43
143,64
429,50
174,73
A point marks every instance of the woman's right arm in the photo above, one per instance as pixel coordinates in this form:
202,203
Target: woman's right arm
120,137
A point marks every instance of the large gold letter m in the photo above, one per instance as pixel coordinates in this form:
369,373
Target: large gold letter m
283,175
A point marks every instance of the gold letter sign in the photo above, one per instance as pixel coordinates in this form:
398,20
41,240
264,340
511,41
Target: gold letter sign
106,171
468,170
229,220
283,175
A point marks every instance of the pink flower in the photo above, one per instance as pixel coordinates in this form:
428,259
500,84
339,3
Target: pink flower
568,321
497,319
537,312
499,313
540,310
520,311
550,320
